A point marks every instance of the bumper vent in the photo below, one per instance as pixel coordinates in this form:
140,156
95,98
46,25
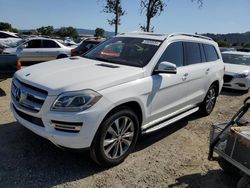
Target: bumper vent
73,127
31,119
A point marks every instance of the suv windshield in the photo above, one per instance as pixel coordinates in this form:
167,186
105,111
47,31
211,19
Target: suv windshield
236,59
125,50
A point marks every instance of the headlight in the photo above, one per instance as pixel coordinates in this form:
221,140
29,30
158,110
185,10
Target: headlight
243,75
76,101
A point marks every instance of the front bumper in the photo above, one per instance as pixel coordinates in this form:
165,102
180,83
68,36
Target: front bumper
237,83
90,119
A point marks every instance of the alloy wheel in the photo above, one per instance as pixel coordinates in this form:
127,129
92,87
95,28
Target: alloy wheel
210,100
119,137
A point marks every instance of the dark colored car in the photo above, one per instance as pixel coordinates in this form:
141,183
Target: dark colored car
9,64
85,46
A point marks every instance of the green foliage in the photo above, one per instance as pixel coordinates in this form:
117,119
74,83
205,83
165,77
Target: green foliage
48,30
67,32
247,45
222,43
4,26
99,32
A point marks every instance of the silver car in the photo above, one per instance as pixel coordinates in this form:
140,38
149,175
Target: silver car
39,50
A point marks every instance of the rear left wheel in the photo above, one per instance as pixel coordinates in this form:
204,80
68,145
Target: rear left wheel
116,138
208,104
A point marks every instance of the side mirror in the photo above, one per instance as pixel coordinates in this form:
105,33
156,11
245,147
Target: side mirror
166,67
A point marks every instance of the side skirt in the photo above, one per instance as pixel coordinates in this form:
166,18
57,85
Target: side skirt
169,121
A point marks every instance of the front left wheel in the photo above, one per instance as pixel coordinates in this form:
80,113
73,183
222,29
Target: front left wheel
116,138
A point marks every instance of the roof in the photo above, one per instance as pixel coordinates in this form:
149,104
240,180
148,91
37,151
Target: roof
9,33
236,53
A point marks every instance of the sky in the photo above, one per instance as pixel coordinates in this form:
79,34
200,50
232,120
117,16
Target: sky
216,16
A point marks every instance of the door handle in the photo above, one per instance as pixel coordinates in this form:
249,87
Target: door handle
184,76
207,71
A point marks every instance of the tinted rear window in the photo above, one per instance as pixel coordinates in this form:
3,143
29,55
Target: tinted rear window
50,44
192,53
210,52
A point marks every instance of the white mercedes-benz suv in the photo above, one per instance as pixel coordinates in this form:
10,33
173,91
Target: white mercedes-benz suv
129,85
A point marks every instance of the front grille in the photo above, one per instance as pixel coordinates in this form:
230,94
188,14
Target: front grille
227,78
28,96
31,119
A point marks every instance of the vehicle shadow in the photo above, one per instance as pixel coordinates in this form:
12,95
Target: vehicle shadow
151,138
2,93
214,178
27,160
232,92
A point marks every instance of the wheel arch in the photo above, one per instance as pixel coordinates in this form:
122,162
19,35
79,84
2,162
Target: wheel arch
216,83
62,55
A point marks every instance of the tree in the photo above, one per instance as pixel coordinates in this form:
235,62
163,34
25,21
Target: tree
99,32
151,8
67,32
4,26
247,45
223,43
154,8
114,7
48,30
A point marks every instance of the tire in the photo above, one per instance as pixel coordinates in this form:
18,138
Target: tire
120,138
208,103
61,56
244,182
228,167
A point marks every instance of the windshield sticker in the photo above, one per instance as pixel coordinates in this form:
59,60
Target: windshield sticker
151,42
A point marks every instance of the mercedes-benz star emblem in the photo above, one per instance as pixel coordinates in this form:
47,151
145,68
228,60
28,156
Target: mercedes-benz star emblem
18,94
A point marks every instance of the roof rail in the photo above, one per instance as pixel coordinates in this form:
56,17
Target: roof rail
144,33
190,35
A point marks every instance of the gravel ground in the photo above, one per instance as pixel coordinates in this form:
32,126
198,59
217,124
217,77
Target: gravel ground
175,156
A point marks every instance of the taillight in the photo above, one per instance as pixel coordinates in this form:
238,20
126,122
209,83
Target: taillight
19,65
73,52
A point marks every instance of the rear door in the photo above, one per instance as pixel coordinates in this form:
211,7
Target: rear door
31,51
50,50
198,71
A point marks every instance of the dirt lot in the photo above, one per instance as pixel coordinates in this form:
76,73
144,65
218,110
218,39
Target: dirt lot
172,157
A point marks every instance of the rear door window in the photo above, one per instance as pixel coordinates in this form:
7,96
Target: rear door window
50,44
210,52
192,53
173,54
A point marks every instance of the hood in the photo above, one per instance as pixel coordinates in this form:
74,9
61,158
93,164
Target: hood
236,69
72,74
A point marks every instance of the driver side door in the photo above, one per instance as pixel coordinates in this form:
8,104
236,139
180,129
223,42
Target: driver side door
169,92
31,51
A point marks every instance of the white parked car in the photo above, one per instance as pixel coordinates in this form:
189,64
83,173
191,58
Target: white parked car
8,38
237,70
39,49
129,85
